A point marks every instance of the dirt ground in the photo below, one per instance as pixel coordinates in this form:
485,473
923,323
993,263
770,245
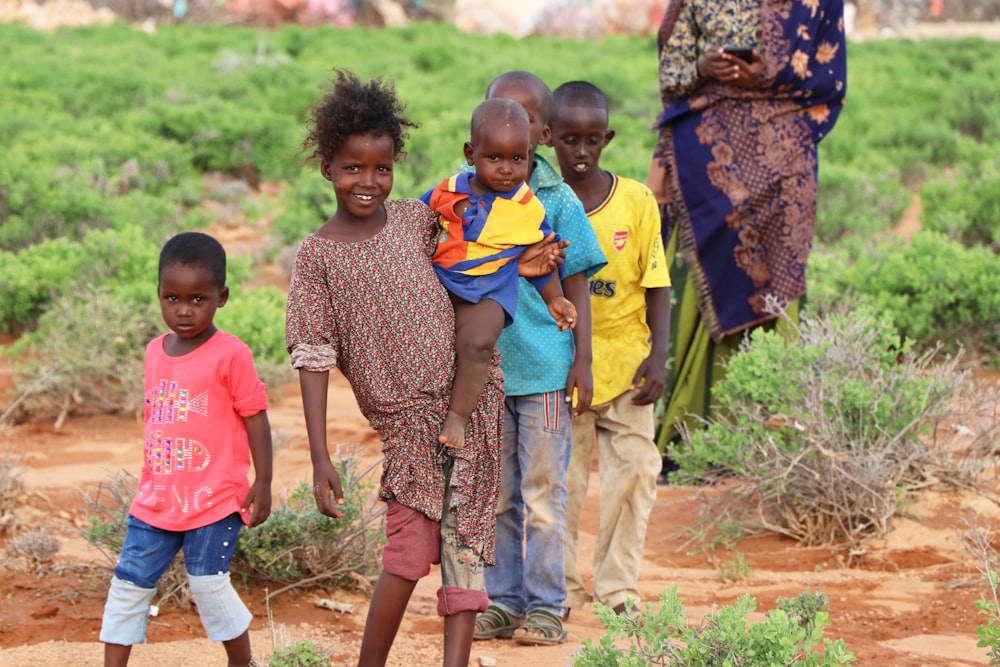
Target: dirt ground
912,601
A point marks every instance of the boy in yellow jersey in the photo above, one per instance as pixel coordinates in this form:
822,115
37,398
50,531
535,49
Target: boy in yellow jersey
630,310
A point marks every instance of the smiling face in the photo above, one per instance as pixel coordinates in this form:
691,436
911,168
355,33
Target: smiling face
579,134
189,296
499,150
361,174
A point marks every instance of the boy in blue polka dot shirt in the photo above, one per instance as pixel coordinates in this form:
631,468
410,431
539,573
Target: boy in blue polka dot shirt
543,370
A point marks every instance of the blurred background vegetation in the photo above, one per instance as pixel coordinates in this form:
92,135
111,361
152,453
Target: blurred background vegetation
116,138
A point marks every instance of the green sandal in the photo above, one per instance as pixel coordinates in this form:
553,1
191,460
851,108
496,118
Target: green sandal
541,628
496,623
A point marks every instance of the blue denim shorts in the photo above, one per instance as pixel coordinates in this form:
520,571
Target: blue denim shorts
148,551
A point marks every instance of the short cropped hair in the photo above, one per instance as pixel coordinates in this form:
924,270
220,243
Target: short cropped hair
579,94
196,249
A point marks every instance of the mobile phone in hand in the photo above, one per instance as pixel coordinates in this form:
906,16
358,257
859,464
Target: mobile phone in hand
743,53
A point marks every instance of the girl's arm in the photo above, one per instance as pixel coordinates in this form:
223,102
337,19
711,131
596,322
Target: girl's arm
258,500
325,476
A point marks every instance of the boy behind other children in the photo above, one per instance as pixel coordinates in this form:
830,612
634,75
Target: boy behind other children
630,323
206,418
543,368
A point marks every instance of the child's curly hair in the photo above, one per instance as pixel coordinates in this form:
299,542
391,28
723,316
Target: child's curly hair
355,107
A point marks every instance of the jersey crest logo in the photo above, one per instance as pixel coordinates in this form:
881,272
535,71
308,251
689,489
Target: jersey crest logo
619,240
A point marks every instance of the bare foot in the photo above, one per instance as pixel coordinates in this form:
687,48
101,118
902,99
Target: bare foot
453,431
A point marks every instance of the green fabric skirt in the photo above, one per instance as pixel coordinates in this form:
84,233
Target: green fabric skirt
696,362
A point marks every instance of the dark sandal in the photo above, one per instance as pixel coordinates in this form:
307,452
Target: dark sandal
495,623
541,628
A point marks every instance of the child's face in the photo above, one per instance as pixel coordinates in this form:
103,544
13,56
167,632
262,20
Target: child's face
579,134
500,153
361,174
535,102
189,297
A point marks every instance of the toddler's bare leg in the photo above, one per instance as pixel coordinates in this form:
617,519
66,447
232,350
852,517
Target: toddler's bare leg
477,327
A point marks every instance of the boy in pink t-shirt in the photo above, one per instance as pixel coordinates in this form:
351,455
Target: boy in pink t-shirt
206,420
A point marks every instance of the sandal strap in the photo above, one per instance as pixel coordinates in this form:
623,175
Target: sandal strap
544,620
496,617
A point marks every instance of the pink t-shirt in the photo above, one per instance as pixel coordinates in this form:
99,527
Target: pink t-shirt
197,454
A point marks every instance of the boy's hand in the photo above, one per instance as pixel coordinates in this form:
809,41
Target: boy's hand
542,258
326,479
563,312
258,502
580,380
649,380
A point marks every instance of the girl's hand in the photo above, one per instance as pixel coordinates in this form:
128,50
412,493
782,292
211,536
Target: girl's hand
326,479
542,258
563,312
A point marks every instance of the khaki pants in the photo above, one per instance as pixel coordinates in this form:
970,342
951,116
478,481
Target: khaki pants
628,463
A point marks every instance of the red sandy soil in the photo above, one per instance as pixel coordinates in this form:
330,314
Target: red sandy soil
911,602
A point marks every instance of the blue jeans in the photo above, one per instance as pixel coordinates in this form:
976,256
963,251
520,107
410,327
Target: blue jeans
148,551
530,569
146,555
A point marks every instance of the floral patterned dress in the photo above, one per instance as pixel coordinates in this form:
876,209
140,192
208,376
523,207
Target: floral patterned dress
376,310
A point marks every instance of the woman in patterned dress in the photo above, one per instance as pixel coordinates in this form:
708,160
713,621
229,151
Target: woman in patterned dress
364,298
736,170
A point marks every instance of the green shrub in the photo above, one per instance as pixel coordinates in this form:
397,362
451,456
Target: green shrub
857,202
257,316
303,654
34,277
932,288
965,205
790,635
86,357
825,434
306,205
228,136
979,540
297,546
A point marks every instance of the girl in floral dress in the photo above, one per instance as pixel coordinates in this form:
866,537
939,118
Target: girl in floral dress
364,298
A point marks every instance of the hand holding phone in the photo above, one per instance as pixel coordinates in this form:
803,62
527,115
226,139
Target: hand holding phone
743,53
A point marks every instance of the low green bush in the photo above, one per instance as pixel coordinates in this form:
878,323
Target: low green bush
791,635
858,202
824,434
299,547
30,280
932,288
257,317
979,541
86,357
965,205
